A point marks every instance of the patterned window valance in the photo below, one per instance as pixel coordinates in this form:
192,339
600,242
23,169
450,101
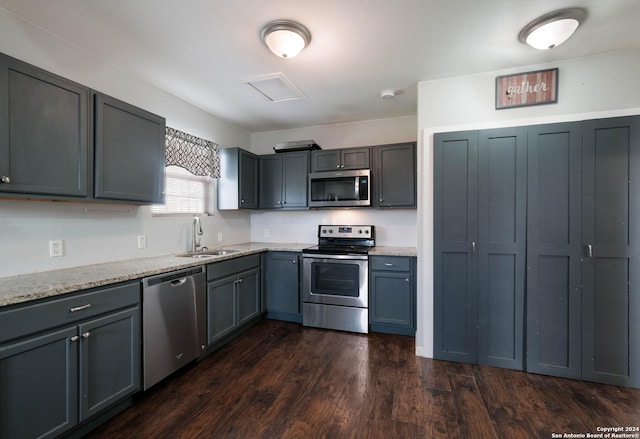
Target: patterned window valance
196,155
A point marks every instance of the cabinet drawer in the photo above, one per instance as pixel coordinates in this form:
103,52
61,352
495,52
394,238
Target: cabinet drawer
390,263
217,270
29,319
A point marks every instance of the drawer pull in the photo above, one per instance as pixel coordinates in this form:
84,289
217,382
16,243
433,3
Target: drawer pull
80,308
387,264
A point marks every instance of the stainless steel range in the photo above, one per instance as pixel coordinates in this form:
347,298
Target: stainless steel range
335,279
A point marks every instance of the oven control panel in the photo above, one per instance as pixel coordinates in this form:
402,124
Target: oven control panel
345,231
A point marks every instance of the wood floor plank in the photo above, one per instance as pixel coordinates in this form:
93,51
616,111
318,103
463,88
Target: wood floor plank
281,380
472,413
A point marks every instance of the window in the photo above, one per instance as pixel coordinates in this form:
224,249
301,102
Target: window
185,193
191,163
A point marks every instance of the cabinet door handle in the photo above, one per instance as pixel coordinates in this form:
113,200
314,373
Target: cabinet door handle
74,339
294,261
86,334
473,246
589,251
80,308
5,179
241,201
406,279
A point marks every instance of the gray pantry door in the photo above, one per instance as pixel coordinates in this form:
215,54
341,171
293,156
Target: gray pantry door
554,249
501,248
611,238
455,238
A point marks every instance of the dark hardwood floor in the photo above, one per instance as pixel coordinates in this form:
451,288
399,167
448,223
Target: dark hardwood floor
280,380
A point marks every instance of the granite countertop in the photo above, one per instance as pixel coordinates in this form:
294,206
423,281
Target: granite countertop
22,288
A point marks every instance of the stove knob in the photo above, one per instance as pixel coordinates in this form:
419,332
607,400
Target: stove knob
366,231
331,231
360,231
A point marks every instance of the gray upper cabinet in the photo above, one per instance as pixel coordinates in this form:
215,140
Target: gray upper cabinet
238,182
129,152
44,133
479,241
340,159
611,240
283,180
395,175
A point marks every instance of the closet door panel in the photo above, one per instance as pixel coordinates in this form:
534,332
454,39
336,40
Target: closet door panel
501,246
611,204
554,249
455,237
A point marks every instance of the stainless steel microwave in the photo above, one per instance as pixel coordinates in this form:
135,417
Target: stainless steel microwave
340,188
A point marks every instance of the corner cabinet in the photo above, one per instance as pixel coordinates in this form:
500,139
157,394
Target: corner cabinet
282,283
392,294
65,360
233,296
395,175
284,180
129,152
44,133
340,159
238,182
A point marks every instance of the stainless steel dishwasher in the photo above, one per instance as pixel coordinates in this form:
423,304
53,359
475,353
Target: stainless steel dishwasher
174,323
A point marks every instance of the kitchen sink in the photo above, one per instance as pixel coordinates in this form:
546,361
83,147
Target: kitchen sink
200,254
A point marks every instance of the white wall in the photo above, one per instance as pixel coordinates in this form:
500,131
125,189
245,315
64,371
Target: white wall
393,227
108,233
589,88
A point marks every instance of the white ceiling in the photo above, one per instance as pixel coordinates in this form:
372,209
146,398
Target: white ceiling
203,51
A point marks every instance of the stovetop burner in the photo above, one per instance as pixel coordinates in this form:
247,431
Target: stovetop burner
344,240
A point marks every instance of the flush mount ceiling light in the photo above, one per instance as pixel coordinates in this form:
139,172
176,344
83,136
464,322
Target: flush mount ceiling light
552,29
285,38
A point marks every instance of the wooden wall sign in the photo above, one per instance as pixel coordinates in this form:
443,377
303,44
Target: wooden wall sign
528,88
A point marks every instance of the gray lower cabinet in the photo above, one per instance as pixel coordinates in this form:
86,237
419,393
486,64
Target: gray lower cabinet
44,133
282,284
340,159
65,360
479,246
238,182
283,180
395,175
233,295
129,152
392,294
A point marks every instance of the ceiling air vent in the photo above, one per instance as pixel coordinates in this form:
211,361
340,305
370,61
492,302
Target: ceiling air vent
276,87
297,145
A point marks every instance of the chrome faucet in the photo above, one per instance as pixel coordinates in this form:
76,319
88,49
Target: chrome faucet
197,230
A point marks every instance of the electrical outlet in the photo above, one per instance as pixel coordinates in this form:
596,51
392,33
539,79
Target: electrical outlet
219,236
266,233
142,241
55,248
